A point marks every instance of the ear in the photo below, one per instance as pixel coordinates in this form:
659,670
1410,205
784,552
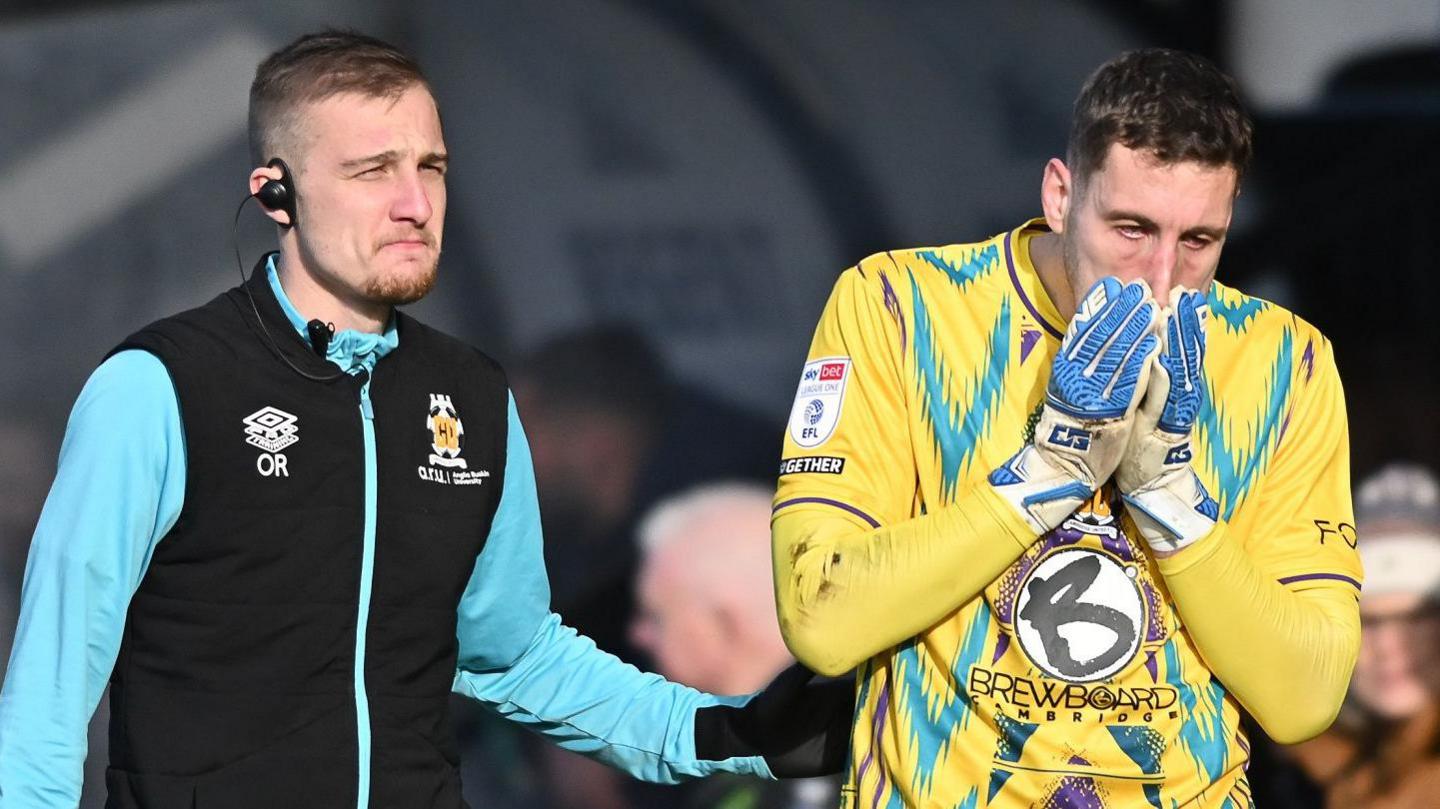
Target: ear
258,178
1057,194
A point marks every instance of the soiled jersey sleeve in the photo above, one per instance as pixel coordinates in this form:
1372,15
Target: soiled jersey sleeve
1271,598
855,572
519,660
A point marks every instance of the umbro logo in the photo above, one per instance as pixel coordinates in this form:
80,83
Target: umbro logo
271,430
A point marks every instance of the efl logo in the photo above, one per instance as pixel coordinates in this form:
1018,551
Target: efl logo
818,400
1071,437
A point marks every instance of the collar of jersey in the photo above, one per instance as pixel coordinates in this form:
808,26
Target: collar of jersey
350,349
1026,279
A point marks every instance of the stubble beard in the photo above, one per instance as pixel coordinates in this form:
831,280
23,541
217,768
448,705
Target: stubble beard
1070,257
401,288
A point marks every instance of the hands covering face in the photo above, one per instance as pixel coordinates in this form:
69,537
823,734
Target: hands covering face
1169,503
1125,389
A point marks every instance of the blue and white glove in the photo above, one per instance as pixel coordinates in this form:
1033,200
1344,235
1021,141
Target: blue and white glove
1099,374
1169,503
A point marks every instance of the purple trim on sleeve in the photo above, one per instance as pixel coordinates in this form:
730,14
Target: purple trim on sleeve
1313,576
874,523
1015,280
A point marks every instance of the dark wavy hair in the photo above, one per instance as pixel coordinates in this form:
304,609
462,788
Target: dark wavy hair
1175,105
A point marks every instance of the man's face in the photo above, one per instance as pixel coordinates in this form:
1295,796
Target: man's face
1139,218
677,625
1395,674
371,188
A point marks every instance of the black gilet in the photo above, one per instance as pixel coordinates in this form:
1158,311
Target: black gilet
235,683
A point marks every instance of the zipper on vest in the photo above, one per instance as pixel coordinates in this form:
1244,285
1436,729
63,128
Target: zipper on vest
367,575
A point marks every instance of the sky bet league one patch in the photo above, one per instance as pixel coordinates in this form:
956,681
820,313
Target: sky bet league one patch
818,401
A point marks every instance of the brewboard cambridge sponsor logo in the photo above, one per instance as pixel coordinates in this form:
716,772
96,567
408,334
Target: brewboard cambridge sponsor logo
447,436
270,430
818,400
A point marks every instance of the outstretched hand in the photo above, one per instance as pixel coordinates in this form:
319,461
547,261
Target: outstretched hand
800,724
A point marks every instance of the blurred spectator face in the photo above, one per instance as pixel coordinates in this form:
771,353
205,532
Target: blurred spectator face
1398,514
371,192
1138,218
1398,670
706,593
678,624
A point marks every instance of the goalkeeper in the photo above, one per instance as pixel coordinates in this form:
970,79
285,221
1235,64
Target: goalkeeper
1066,504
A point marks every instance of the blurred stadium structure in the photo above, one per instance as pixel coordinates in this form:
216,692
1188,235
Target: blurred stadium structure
700,171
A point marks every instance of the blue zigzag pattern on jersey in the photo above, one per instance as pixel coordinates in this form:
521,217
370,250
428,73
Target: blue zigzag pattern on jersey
972,267
932,717
1235,316
1236,469
971,798
997,783
1144,746
1202,731
1013,736
958,431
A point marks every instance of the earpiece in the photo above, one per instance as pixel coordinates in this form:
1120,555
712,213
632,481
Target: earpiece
279,195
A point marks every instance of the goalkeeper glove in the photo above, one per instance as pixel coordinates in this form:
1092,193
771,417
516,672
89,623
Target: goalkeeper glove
1169,503
1095,384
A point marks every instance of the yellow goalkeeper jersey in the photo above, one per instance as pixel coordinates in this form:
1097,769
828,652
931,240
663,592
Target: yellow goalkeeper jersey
1071,681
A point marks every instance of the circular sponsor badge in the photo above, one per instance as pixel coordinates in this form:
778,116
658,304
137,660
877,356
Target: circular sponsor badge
1079,615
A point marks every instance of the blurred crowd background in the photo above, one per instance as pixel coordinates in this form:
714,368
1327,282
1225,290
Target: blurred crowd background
649,201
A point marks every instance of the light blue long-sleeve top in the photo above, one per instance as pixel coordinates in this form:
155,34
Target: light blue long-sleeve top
119,489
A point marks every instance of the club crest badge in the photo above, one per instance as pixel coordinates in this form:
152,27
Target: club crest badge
447,440
447,432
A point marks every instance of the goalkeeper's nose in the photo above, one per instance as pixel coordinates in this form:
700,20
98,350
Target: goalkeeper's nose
1162,271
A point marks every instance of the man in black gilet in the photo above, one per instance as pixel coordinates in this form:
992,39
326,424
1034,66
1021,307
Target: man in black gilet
287,523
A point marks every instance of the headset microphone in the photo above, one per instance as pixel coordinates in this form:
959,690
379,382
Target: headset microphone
320,333
279,195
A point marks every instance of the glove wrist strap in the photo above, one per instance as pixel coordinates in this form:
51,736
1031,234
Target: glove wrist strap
1042,493
1175,511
